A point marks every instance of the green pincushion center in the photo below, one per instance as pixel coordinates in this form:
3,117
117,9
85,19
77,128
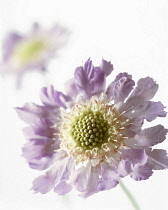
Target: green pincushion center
90,130
29,50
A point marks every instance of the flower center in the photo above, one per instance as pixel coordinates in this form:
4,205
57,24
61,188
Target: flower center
90,130
28,51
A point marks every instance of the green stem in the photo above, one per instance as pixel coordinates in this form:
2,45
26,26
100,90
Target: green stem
129,195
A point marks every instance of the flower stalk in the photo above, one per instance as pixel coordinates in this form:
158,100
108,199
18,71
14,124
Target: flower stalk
129,195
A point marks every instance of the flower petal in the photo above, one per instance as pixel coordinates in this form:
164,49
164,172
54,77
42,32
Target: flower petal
134,163
149,111
59,173
158,159
134,156
31,113
148,137
109,177
9,43
86,180
62,188
91,80
141,173
71,88
40,153
144,91
53,98
106,67
120,88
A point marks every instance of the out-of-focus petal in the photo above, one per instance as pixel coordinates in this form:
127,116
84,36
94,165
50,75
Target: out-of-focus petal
9,43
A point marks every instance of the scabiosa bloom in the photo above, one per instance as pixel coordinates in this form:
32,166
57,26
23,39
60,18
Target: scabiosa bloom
21,53
92,136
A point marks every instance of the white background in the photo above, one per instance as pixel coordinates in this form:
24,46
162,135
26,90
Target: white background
133,34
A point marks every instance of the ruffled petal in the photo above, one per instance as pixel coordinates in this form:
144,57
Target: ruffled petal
134,163
71,88
91,80
120,88
124,168
62,188
134,156
149,111
58,174
106,67
157,159
30,113
148,137
144,91
40,152
109,177
86,179
53,98
133,127
141,173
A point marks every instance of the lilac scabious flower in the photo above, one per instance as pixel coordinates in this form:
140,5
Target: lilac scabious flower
21,53
92,136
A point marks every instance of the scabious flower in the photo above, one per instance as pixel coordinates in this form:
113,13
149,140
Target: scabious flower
21,53
92,136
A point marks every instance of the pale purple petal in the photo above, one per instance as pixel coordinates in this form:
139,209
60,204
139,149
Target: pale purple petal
149,111
157,159
62,188
134,156
86,180
91,80
109,177
107,67
133,127
80,178
148,137
120,88
9,43
144,91
53,98
43,184
124,168
39,153
70,88
134,164
141,173
30,113
58,174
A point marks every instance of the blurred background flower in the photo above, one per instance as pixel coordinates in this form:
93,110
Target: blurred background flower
32,51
